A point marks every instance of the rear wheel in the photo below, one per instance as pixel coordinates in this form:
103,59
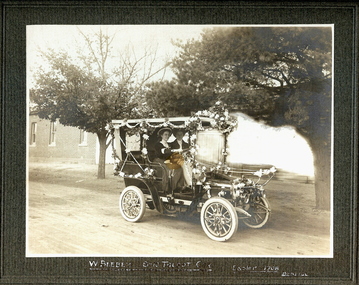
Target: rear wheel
219,219
259,211
132,204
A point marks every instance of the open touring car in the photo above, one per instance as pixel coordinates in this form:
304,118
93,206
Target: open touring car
220,195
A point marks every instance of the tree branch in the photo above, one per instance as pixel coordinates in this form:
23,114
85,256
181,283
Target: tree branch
273,77
281,72
89,44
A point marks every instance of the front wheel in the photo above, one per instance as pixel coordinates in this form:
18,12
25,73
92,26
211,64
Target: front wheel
132,204
219,219
260,212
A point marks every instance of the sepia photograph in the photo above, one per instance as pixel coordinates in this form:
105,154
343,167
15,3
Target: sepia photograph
179,140
169,142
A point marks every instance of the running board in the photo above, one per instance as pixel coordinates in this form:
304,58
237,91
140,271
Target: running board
177,201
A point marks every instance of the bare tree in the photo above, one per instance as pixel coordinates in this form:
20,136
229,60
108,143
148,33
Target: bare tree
95,86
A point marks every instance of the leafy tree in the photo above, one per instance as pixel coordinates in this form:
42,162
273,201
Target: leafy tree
84,92
277,75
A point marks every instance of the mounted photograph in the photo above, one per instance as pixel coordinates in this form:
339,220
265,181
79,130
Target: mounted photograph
180,141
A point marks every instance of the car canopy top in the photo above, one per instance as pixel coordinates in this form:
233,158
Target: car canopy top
216,117
144,125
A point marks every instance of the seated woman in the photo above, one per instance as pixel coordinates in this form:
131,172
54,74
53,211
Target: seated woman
163,153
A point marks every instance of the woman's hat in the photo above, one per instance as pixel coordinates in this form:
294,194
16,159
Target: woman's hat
161,131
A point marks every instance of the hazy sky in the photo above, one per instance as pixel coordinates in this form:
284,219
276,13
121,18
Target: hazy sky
66,37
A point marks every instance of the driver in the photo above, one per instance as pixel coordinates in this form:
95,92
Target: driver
178,180
179,143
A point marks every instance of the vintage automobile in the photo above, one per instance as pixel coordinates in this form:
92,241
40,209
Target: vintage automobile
219,194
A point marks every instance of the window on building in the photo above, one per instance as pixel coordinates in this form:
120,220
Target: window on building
52,133
33,133
83,138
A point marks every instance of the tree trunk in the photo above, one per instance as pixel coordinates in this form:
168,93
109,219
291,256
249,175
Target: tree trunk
102,155
322,172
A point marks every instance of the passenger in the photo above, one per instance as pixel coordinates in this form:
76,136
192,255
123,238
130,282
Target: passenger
163,153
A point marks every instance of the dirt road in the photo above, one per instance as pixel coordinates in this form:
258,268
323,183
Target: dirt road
70,212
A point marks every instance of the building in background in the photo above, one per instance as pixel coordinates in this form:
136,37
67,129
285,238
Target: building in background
53,142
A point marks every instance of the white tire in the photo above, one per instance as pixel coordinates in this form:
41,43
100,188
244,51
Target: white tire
219,219
132,204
